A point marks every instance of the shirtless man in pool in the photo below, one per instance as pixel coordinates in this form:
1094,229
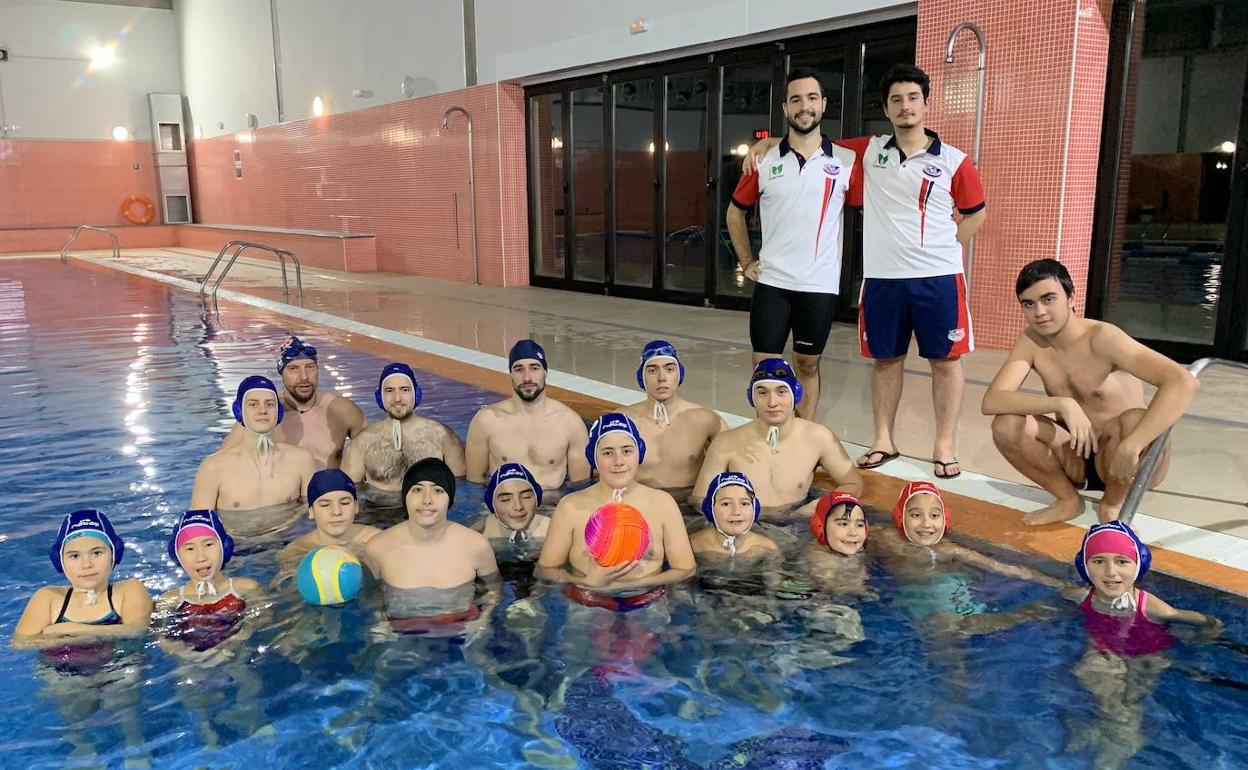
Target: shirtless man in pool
317,420
778,450
1092,425
530,428
257,472
386,449
677,432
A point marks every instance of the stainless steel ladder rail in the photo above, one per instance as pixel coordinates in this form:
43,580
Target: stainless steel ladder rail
78,230
241,246
1140,485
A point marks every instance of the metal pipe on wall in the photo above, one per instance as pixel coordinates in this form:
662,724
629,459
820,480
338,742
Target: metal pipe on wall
472,191
277,62
979,106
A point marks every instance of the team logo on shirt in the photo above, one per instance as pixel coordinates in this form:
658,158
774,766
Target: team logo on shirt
777,170
957,335
932,170
832,169
881,160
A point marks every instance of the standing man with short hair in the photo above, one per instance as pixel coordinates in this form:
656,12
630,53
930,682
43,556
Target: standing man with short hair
800,187
913,282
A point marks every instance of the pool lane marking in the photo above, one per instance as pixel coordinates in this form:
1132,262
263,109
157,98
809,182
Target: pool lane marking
1221,549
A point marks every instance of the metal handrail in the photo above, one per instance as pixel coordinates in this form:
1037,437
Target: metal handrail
77,230
1140,485
243,246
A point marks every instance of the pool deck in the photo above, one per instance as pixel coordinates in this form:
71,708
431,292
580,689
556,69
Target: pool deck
1196,521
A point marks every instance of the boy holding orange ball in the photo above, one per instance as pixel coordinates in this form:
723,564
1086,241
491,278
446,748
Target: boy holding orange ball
636,545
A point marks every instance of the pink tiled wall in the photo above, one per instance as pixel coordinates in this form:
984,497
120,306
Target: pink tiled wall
48,239
1041,135
63,182
390,171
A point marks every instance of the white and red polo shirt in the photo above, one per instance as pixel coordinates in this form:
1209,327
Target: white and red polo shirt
800,202
908,227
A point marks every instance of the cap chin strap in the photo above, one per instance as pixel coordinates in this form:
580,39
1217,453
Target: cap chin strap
518,536
205,588
92,597
264,447
1125,601
730,541
773,439
618,494
396,433
660,413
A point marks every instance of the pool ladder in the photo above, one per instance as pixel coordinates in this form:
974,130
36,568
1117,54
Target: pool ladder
1140,485
78,231
241,246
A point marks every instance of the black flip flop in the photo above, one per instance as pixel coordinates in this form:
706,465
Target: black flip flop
945,464
885,457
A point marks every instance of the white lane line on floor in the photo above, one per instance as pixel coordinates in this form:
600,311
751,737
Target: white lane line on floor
1205,544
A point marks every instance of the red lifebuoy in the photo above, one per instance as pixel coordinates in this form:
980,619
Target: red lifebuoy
127,210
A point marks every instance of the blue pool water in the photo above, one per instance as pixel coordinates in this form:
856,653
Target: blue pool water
113,388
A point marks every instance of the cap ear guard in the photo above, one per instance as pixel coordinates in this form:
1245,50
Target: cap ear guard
766,367
1145,553
658,349
417,393
75,521
823,510
204,517
236,407
728,479
596,434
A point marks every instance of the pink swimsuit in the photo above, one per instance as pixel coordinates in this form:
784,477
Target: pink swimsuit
1127,635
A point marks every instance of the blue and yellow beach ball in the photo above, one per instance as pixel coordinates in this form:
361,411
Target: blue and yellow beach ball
329,575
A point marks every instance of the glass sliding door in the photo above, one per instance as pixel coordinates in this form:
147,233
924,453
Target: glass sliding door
546,185
589,193
685,182
746,106
635,103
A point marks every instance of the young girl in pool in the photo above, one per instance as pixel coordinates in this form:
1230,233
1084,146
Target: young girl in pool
835,559
206,621
82,632
91,607
1128,630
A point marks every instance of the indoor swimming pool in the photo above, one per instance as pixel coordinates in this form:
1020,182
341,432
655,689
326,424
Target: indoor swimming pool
114,387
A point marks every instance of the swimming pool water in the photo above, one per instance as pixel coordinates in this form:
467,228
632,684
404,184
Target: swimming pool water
113,388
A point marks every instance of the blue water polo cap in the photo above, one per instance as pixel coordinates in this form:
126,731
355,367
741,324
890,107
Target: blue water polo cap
526,349
728,479
774,370
254,382
613,422
292,349
196,523
85,523
510,472
658,349
406,371
329,480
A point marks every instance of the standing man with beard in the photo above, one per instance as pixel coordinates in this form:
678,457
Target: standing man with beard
319,421
800,188
529,428
387,448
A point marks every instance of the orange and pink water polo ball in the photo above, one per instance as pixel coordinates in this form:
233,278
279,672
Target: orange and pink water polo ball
617,534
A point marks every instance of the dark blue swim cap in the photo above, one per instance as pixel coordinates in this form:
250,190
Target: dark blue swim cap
613,422
294,348
255,382
526,349
329,480
406,371
509,472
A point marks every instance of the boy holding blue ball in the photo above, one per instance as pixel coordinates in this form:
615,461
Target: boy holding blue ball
332,504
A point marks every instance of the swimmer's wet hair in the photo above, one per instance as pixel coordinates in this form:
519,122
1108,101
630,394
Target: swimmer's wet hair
905,73
1042,269
798,73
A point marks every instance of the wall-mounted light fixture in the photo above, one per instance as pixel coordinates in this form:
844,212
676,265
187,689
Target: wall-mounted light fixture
1227,147
121,133
318,106
556,143
198,133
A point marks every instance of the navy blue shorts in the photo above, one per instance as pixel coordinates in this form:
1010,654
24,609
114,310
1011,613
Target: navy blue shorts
933,310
